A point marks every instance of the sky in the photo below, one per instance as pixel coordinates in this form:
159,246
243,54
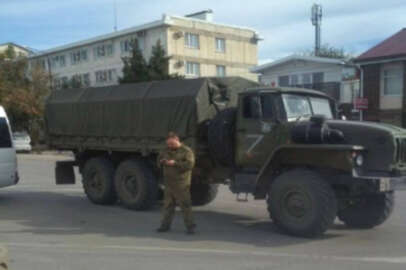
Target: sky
285,26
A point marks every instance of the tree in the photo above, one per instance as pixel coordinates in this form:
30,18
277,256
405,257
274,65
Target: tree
159,63
23,94
329,51
135,67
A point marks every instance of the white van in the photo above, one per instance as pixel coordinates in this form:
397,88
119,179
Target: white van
8,157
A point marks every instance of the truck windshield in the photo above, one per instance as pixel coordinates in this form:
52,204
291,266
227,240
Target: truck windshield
297,106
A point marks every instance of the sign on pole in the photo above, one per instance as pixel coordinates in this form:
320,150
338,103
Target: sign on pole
361,104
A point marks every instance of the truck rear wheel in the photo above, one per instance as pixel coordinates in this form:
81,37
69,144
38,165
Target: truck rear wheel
221,137
98,181
369,211
301,203
136,185
203,194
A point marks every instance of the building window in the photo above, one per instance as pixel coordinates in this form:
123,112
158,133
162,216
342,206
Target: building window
58,61
283,81
103,50
221,71
193,69
294,80
61,83
78,56
392,79
318,77
105,76
220,45
306,78
127,45
192,41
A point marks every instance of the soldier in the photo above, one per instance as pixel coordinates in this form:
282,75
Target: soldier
177,161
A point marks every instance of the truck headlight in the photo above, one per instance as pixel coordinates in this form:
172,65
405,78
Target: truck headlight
359,160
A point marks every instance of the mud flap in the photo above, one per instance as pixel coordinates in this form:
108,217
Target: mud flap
64,173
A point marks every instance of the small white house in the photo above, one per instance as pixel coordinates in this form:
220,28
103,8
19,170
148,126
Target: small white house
336,77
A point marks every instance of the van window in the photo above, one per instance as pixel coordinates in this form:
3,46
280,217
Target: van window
5,138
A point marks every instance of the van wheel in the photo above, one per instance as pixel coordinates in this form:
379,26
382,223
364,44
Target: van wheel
98,177
301,203
368,211
136,185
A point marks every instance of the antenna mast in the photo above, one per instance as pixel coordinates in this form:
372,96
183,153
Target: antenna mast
115,15
317,13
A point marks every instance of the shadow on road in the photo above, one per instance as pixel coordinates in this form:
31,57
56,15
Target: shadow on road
50,213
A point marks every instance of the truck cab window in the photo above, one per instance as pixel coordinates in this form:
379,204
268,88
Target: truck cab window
251,107
267,106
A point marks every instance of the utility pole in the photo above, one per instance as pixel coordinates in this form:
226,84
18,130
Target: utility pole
316,21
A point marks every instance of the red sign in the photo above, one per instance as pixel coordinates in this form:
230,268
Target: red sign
361,104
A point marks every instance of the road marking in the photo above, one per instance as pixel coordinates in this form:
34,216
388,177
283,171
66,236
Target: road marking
392,260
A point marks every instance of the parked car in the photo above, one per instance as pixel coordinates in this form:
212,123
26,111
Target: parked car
22,141
8,158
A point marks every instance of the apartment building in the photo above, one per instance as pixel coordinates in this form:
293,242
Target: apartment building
198,47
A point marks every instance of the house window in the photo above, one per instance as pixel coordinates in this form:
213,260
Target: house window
294,80
105,76
58,61
318,77
392,79
192,41
220,45
192,69
283,81
306,78
78,56
221,71
103,50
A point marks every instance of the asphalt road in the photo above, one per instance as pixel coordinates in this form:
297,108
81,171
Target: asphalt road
45,226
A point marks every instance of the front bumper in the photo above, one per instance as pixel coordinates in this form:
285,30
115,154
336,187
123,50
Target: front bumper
392,183
384,183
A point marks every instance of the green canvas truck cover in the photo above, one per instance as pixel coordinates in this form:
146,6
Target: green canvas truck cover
142,110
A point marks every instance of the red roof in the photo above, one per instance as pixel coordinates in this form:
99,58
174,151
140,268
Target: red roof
389,48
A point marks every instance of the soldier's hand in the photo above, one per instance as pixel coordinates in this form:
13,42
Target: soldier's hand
162,161
170,162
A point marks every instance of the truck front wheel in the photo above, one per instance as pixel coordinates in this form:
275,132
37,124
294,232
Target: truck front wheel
203,194
136,185
368,211
301,203
98,183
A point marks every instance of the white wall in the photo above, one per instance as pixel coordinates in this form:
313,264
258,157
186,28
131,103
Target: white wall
114,61
332,72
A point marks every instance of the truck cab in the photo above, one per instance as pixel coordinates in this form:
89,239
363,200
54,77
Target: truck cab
290,149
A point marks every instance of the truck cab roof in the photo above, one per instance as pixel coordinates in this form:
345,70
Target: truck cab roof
286,90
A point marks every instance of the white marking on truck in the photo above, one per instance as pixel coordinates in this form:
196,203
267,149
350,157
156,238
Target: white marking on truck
258,138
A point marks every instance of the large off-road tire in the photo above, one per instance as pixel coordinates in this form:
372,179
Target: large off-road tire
203,194
136,185
221,136
98,180
301,203
368,211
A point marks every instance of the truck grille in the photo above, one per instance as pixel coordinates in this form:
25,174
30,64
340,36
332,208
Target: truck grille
400,150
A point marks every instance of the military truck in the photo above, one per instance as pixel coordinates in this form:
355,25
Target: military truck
282,145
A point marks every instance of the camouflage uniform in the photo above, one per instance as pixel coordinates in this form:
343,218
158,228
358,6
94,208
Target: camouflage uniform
177,184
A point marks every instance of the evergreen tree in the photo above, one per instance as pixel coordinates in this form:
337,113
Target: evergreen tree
135,67
159,63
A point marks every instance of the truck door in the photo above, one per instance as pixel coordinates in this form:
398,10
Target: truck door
255,126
